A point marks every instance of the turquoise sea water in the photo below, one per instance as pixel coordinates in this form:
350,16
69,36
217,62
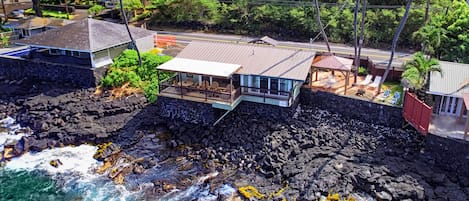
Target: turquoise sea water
25,185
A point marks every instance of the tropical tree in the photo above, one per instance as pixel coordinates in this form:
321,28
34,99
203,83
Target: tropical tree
416,71
355,38
446,36
394,42
36,7
321,27
126,23
132,5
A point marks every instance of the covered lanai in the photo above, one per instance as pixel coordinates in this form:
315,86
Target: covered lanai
334,63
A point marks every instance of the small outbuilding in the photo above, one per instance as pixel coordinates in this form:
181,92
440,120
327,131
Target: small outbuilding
88,43
334,63
448,88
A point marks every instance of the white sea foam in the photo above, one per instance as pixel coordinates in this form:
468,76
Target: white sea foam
10,132
76,174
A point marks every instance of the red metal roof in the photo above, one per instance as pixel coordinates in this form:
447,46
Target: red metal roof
333,62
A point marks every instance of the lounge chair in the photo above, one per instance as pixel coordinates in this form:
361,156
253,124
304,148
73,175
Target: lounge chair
385,95
367,80
330,81
395,98
376,82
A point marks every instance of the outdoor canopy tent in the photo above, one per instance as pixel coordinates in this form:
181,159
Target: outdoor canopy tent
333,63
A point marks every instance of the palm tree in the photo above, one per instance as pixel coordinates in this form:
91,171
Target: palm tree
126,22
318,17
355,14
362,31
416,71
394,42
36,7
432,37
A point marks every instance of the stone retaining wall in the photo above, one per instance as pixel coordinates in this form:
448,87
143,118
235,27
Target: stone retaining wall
203,113
187,111
365,111
450,154
19,68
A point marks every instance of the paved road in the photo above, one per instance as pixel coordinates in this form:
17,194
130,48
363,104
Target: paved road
378,56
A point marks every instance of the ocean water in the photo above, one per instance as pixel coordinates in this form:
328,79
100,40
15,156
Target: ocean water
31,177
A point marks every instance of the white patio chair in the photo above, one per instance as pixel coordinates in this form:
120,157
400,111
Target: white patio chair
367,80
376,82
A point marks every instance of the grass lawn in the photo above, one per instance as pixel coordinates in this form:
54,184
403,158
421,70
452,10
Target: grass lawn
49,13
394,87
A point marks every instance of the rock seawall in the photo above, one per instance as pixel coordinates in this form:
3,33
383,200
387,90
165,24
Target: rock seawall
451,154
366,111
19,68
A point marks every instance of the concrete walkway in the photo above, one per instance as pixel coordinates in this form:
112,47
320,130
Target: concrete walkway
447,126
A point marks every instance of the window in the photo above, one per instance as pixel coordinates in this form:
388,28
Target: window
283,87
75,53
255,83
56,52
273,86
245,82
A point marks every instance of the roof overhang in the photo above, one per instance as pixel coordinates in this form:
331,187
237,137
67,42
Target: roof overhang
200,67
47,47
444,94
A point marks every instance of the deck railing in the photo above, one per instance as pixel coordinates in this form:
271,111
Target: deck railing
204,92
174,86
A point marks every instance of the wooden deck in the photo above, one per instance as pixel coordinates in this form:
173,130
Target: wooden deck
338,88
196,96
447,126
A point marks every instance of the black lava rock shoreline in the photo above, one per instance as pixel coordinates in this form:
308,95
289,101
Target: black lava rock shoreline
314,151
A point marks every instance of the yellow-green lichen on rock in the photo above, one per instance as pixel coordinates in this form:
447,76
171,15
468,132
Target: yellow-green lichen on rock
249,192
101,148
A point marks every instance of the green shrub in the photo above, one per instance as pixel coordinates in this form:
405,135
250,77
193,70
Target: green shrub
144,15
362,70
117,77
126,69
96,9
128,58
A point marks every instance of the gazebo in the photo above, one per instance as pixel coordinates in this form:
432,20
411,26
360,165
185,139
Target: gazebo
334,63
465,108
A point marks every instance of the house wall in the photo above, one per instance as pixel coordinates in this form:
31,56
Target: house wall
145,44
282,84
19,68
66,58
448,105
394,73
101,58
